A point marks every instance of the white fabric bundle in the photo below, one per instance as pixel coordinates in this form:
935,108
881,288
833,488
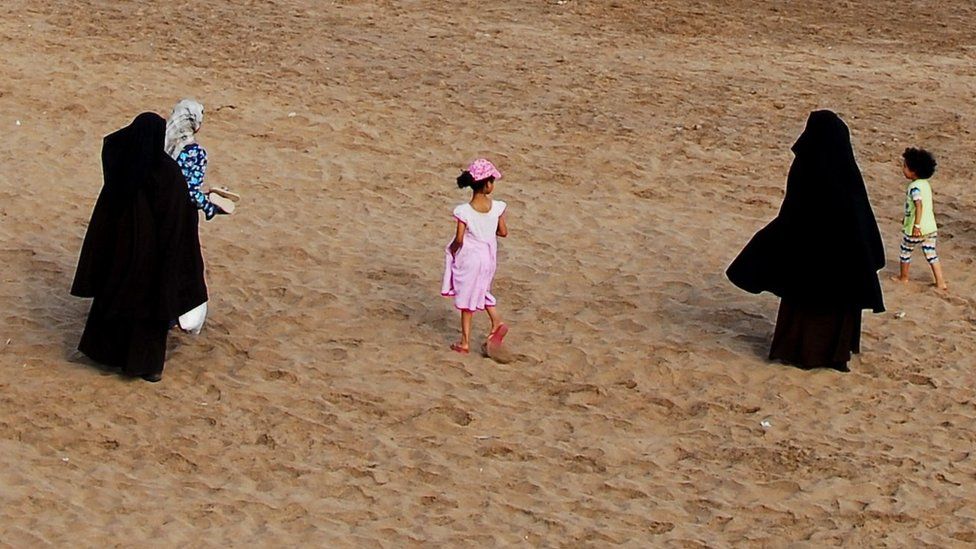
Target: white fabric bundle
193,320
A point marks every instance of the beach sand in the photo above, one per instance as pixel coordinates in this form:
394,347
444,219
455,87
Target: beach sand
642,144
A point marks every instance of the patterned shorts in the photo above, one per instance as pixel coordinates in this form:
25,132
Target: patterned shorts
927,241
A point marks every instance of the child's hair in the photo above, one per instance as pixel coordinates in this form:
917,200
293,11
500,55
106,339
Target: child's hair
467,180
920,161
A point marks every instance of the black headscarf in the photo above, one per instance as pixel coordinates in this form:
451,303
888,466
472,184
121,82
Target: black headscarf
141,255
824,247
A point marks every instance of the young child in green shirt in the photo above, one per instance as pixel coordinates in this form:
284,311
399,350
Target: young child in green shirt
919,226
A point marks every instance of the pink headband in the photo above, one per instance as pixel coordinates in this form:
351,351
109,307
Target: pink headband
482,169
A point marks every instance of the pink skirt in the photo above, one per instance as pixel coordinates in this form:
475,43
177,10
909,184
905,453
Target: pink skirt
468,275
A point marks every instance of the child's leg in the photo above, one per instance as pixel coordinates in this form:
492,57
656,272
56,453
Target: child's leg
940,282
908,244
465,330
902,272
496,319
928,248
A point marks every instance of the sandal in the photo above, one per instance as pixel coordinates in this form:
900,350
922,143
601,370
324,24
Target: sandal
225,204
457,348
226,193
498,335
494,342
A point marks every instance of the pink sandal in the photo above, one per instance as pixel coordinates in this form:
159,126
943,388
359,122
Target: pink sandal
494,343
457,348
498,335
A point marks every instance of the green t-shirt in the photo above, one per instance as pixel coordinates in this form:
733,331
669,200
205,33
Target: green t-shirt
919,190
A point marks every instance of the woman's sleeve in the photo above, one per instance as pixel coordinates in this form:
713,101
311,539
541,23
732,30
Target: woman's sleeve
193,163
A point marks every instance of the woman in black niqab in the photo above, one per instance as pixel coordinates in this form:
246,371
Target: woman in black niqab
821,254
141,259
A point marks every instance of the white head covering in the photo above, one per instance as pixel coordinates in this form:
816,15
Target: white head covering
182,125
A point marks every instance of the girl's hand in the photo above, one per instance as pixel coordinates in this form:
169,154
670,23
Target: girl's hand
204,188
458,238
916,232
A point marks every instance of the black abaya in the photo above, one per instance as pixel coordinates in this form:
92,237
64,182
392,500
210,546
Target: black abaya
813,337
141,259
821,254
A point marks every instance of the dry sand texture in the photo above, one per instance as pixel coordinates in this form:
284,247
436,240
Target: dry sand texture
642,143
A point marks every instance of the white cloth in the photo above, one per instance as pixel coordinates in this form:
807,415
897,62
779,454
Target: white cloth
182,126
192,321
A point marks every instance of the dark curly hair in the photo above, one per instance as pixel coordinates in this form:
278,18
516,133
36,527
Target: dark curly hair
920,161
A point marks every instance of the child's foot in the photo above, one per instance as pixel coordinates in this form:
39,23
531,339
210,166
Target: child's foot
458,348
497,334
493,345
494,329
899,279
944,287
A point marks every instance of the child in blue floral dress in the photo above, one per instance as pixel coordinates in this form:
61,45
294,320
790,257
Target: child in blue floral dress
193,161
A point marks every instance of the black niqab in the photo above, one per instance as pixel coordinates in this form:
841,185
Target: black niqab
824,248
141,259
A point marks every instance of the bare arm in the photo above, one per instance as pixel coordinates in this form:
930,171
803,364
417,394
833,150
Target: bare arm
502,229
458,238
917,228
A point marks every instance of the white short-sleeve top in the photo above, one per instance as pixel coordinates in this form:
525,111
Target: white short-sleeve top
482,225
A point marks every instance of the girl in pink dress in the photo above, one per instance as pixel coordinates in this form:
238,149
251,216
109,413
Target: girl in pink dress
470,259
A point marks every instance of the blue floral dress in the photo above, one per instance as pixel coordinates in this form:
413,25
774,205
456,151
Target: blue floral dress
193,162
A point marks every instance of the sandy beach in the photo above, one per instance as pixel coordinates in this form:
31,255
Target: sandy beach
642,143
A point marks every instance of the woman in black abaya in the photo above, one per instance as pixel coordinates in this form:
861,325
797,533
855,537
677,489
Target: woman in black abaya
141,259
822,253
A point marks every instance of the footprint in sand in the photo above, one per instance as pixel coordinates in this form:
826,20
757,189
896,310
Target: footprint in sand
499,353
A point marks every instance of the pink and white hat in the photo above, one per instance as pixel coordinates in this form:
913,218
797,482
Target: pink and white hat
482,169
